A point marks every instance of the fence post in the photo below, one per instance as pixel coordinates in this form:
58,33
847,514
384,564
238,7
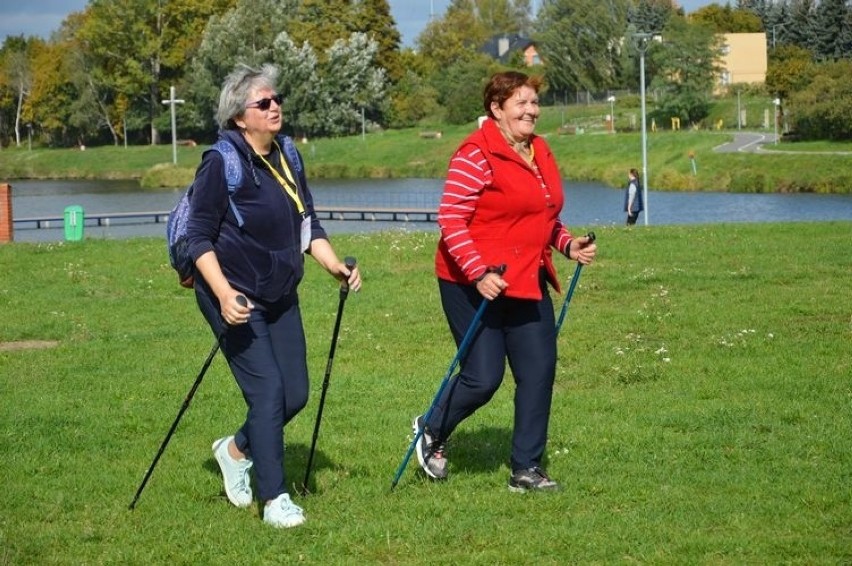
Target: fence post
6,226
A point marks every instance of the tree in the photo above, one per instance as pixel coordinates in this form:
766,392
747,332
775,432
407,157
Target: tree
503,16
456,37
831,20
798,29
321,22
139,46
298,82
688,64
20,80
790,69
579,42
651,16
823,109
237,36
374,18
349,83
727,20
412,99
460,88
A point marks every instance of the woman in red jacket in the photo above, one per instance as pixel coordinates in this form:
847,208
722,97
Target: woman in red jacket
500,206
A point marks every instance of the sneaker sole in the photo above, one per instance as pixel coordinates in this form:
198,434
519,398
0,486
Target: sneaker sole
235,502
415,428
287,524
519,489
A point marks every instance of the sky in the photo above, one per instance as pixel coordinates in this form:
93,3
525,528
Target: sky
41,17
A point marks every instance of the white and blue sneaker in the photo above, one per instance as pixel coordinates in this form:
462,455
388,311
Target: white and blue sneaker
234,472
282,513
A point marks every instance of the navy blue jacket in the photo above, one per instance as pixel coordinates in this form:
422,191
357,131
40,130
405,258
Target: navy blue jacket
262,258
637,200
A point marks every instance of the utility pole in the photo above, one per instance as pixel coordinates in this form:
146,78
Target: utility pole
172,101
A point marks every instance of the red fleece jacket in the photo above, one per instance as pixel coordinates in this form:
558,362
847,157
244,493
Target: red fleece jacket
496,209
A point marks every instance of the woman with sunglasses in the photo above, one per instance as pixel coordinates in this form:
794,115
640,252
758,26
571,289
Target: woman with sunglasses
248,247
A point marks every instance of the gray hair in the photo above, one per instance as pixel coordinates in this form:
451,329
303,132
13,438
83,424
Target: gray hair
236,89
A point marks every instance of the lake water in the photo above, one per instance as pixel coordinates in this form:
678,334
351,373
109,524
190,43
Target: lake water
586,205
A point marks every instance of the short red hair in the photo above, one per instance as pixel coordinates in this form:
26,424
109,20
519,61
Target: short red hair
502,86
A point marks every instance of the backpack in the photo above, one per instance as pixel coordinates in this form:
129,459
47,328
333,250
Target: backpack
176,240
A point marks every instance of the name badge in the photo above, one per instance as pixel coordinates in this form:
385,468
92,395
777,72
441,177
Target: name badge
306,233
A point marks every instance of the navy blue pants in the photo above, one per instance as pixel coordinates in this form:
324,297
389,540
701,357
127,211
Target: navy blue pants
522,331
267,357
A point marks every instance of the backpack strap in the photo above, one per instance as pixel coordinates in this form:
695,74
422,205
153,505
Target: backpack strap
293,157
233,173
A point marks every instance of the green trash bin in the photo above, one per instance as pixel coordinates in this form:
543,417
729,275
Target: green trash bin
74,223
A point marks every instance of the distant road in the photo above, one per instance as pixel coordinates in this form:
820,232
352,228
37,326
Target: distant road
745,142
754,142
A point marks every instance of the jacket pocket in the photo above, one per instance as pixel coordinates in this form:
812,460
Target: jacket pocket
286,268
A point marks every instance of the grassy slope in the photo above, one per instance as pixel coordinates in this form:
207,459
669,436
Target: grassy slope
701,413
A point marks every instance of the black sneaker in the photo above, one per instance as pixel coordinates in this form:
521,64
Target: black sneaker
531,479
430,452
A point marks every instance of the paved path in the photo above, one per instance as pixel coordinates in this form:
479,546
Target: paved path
745,142
756,142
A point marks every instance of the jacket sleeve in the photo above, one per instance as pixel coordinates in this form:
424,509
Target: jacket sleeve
467,177
561,237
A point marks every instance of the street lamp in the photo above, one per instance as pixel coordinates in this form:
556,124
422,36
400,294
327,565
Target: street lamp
611,101
777,103
642,43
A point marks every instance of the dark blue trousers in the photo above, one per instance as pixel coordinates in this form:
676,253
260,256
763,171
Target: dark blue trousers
522,331
267,357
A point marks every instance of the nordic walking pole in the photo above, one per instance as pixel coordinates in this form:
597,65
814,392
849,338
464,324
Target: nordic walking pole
468,337
344,292
570,293
241,300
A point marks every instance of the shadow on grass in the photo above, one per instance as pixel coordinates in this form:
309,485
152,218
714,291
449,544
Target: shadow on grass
295,462
483,450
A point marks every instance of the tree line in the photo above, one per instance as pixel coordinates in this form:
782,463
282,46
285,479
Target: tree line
104,75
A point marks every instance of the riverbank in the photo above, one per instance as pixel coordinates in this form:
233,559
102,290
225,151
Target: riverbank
683,160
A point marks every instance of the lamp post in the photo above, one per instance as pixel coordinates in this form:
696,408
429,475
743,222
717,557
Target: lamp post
642,40
172,101
776,103
611,101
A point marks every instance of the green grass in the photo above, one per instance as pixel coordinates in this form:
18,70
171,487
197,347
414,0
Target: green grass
701,411
592,156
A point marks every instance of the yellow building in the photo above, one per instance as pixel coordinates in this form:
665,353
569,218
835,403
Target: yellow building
743,59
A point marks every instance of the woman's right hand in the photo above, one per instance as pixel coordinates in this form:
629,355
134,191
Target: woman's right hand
235,307
491,285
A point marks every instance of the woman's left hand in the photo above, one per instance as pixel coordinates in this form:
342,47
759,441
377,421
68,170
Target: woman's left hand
351,276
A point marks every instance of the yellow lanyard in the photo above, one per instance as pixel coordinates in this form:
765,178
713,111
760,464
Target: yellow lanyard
287,187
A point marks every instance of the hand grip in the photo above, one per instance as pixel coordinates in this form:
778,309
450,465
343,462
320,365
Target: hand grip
242,301
350,263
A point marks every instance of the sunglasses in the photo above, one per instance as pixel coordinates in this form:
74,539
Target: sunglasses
265,103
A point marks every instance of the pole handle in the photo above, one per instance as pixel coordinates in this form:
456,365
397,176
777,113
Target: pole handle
350,263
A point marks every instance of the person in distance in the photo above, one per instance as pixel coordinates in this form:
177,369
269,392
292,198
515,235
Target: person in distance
500,206
633,197
259,256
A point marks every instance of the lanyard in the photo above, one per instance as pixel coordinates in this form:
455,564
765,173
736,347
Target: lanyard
286,186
